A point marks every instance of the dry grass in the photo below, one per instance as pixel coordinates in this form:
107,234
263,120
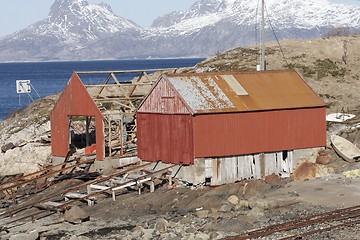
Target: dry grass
331,66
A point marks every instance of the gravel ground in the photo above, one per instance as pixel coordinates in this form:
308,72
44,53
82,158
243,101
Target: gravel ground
197,212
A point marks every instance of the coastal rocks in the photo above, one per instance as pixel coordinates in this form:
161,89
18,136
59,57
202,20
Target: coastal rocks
28,130
25,160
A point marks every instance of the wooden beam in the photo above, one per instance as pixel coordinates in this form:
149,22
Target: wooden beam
102,88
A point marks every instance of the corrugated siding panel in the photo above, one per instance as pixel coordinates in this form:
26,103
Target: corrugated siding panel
165,137
163,99
74,101
254,132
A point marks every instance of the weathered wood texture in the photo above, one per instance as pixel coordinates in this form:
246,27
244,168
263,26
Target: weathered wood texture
257,166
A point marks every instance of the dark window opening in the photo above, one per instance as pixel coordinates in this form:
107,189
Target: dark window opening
284,155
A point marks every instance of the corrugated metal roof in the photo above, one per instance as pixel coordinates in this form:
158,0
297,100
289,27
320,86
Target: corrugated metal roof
266,90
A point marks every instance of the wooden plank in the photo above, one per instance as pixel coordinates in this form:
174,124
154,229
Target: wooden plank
271,164
208,168
215,174
102,88
257,169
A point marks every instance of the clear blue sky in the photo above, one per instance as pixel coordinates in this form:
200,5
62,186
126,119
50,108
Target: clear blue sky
18,14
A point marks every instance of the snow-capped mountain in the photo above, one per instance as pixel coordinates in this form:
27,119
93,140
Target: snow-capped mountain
77,30
76,19
289,15
210,26
303,13
71,25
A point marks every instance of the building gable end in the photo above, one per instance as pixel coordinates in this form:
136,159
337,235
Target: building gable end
163,99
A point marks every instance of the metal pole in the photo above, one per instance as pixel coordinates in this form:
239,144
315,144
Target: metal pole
262,36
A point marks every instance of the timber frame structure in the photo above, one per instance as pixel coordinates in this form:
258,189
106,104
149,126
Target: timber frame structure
115,99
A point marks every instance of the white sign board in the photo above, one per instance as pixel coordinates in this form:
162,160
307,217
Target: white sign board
23,86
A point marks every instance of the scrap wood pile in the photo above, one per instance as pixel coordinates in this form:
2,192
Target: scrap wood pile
62,187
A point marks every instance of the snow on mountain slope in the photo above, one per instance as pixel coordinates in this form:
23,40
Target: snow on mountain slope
77,30
70,25
78,17
282,13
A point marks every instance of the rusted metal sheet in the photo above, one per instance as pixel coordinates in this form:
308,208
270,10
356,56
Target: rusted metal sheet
255,132
165,137
74,101
163,99
240,92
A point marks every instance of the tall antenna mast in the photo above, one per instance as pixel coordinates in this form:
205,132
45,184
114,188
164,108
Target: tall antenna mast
262,37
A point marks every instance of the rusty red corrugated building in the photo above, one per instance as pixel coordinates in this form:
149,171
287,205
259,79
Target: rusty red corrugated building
203,115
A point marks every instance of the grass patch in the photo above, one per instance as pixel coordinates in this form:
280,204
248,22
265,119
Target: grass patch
307,71
326,67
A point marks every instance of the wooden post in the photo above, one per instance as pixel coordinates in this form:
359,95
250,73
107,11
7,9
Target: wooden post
110,150
88,120
121,135
70,142
152,186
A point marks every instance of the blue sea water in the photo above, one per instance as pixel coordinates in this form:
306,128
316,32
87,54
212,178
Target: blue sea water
48,78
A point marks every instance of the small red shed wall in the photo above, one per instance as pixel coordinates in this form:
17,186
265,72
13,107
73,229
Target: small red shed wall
74,101
163,99
165,137
254,132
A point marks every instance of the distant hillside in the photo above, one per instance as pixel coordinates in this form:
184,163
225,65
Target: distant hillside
329,65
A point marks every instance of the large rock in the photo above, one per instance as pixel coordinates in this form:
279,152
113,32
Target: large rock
202,213
306,170
233,199
24,160
76,215
33,235
275,180
323,158
7,146
161,225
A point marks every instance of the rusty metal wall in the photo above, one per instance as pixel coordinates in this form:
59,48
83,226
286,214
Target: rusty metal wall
165,137
254,132
163,99
74,101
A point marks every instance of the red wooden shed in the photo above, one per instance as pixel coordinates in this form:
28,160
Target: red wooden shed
214,115
108,111
74,101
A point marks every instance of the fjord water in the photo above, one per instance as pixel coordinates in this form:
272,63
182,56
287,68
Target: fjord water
48,78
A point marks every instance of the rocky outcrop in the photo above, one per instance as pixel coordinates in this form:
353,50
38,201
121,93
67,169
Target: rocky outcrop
27,131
